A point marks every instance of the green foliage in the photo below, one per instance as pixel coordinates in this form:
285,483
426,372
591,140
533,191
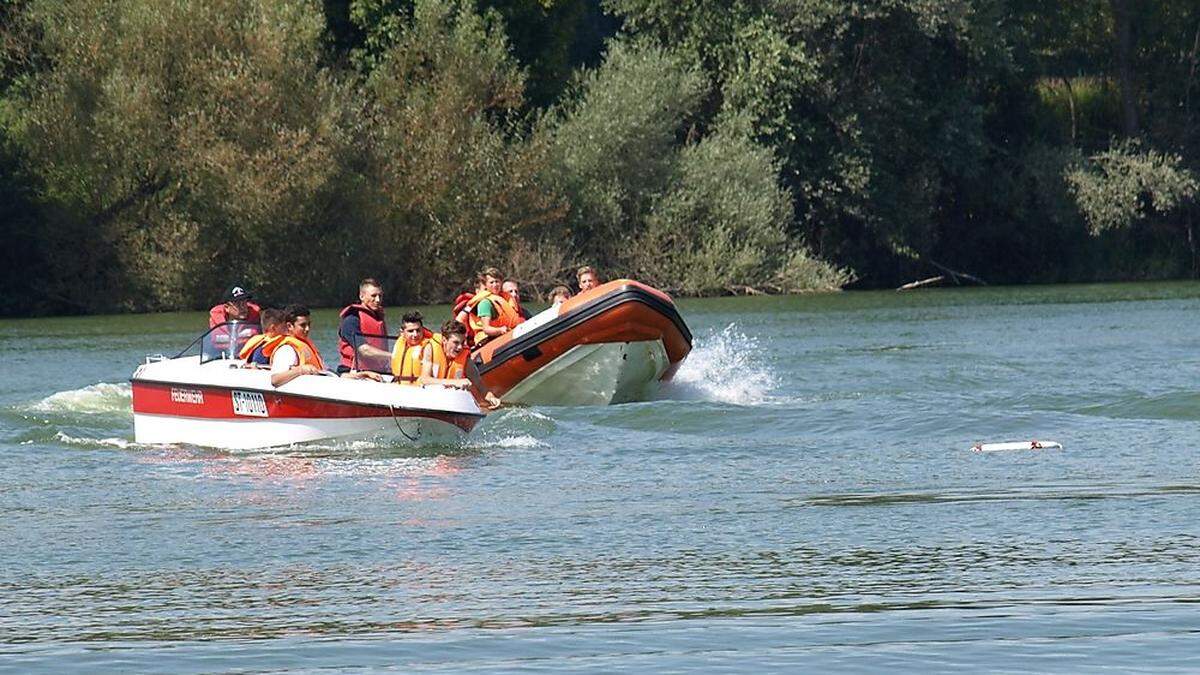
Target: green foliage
178,144
612,145
1128,183
456,189
722,227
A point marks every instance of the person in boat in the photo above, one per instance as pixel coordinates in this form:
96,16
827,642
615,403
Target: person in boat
409,351
511,291
274,324
447,362
559,295
294,354
488,314
362,331
236,307
587,278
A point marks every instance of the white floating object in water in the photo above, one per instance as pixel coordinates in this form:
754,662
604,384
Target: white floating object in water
1018,445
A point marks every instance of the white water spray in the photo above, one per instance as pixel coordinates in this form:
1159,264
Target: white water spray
104,397
725,366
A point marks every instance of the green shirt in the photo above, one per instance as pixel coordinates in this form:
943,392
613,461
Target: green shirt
485,308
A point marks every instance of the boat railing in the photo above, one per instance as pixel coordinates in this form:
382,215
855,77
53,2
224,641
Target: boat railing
223,341
374,352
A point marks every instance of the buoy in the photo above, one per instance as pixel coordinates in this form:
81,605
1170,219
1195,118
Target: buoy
1017,445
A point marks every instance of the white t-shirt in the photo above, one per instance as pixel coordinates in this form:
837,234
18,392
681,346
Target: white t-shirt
284,357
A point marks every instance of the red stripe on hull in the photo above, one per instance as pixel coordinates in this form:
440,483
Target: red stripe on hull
176,400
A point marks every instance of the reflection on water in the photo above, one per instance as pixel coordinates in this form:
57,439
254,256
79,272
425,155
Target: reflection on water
801,497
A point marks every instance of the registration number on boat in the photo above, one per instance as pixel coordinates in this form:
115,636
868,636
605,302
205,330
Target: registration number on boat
249,403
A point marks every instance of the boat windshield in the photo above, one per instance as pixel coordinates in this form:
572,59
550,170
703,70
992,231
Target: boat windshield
374,352
223,341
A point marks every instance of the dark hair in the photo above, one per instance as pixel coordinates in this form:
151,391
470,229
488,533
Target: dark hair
452,327
272,317
293,312
369,281
412,317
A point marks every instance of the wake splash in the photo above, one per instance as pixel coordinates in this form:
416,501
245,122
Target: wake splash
101,398
724,368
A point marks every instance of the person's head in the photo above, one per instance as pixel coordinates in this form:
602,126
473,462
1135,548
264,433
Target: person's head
237,304
491,279
299,320
370,294
588,279
413,327
511,290
559,294
454,338
274,321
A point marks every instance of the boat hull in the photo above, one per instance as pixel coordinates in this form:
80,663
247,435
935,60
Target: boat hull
217,405
613,344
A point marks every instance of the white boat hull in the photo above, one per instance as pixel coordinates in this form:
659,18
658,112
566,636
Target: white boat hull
219,405
596,374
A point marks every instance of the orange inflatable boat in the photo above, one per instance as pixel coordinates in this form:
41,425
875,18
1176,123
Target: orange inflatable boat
611,344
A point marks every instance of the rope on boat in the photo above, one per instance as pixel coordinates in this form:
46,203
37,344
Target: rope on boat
400,428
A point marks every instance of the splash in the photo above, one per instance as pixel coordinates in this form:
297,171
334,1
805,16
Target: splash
120,443
724,367
100,398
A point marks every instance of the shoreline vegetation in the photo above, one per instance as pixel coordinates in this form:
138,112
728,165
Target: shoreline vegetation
154,152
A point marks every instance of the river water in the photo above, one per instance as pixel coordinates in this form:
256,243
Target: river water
803,496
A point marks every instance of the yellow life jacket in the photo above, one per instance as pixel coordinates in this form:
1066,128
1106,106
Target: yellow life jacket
446,368
406,360
256,341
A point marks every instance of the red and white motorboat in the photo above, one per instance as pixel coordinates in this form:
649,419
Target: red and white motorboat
210,399
612,344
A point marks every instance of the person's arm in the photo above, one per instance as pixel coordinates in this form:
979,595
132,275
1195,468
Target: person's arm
427,376
480,389
285,366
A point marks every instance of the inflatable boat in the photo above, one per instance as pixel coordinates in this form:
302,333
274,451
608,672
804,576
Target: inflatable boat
210,399
612,344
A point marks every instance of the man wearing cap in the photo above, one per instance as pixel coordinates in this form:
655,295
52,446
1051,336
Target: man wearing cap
237,307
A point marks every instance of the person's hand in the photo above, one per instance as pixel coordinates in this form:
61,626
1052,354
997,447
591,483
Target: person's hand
309,369
491,401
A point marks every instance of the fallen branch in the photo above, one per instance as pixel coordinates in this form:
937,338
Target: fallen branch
954,274
923,282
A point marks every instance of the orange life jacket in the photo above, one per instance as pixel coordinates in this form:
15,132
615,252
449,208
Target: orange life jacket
256,341
507,315
446,368
305,349
406,358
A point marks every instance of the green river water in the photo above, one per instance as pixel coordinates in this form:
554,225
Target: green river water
803,497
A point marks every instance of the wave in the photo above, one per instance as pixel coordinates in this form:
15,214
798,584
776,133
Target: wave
100,398
705,375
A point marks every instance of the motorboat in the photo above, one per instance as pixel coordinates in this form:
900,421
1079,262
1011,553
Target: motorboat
612,344
207,396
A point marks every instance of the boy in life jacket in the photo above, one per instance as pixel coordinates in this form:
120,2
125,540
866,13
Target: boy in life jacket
447,363
296,355
364,317
274,323
488,314
409,351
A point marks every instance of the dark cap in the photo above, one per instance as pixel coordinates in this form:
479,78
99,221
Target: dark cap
237,293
